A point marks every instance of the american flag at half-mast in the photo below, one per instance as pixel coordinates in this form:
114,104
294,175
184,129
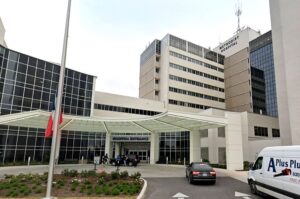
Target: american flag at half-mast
49,129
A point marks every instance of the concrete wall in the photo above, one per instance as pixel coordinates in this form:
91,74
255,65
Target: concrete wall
237,42
285,17
125,101
253,144
237,82
147,78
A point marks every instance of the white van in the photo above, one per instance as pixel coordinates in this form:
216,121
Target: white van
276,172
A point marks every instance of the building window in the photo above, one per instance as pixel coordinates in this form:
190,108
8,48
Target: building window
204,133
156,81
275,133
156,93
221,132
260,131
222,155
204,154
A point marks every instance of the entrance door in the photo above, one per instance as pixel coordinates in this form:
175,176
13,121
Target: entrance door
143,154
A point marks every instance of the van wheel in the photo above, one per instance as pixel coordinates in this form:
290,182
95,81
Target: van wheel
253,187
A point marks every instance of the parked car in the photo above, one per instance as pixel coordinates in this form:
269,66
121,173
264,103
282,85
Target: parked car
133,160
201,172
276,172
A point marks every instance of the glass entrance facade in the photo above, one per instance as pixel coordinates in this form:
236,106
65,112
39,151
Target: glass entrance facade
174,146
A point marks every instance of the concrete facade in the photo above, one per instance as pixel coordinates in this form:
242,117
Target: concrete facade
238,82
285,19
171,72
237,42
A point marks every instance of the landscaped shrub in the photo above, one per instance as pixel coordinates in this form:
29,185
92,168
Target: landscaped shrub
94,185
100,180
106,190
61,183
84,174
39,190
70,173
102,174
115,192
136,175
91,173
246,165
115,175
124,174
98,190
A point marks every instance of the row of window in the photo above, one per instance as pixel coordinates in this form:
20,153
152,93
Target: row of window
221,132
19,143
192,82
194,94
125,109
263,131
187,104
192,71
28,83
195,61
196,49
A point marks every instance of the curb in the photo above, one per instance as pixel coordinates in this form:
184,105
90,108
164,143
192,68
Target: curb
142,193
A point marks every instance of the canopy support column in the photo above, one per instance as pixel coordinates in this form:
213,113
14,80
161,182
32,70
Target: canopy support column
117,149
108,145
234,141
195,155
154,148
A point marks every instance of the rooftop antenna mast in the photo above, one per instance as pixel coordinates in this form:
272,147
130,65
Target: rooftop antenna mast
238,13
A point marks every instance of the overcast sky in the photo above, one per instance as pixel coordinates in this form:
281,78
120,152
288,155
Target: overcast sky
106,37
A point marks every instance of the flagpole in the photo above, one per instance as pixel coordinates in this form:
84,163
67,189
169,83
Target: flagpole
58,104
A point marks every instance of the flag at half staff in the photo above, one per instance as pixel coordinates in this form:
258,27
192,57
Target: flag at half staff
49,129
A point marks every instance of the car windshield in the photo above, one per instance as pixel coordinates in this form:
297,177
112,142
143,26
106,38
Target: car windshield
202,167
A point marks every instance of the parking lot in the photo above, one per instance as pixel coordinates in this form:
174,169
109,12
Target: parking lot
164,181
225,188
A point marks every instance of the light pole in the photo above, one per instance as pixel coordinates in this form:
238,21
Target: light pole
58,104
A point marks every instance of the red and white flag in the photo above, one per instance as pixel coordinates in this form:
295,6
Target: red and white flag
49,129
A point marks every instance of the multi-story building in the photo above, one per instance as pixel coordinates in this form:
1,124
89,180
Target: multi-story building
249,74
183,75
285,18
175,119
27,84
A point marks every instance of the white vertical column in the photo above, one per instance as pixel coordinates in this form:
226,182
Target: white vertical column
195,155
213,145
154,148
234,141
108,148
117,149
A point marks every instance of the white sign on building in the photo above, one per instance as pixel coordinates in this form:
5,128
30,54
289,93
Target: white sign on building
238,42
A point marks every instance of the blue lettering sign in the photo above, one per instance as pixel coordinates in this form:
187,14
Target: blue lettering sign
271,165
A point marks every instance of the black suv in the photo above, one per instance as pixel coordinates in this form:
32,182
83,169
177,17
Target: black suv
132,159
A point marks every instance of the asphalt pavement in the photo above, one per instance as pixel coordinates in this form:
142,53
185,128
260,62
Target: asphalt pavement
225,188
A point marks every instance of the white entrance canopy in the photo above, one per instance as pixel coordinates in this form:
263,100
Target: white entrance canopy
165,122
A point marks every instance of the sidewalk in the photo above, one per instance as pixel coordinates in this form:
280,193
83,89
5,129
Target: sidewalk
238,175
147,171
